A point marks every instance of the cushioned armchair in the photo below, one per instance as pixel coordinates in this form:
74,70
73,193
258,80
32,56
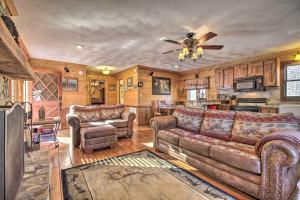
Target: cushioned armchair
255,153
82,117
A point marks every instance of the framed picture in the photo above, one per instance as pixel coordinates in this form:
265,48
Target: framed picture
70,84
130,82
161,86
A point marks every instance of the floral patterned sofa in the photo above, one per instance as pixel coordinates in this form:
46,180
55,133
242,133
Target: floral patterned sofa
254,152
81,118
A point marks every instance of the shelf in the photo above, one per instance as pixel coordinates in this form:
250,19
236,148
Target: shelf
13,63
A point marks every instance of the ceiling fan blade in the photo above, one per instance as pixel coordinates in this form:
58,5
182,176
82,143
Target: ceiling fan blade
173,41
206,37
211,47
171,51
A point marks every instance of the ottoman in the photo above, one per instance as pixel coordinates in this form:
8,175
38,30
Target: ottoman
98,137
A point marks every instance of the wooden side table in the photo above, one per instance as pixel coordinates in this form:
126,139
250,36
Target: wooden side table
55,121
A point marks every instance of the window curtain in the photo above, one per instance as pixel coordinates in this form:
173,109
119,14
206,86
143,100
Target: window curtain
196,84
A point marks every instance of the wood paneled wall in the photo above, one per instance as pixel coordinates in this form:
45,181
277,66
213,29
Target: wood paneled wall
131,94
145,93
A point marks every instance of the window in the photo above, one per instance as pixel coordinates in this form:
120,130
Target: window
291,81
194,95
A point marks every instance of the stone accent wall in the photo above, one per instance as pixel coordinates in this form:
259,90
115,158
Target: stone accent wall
4,90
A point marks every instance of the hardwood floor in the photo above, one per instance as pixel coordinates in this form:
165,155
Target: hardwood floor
66,156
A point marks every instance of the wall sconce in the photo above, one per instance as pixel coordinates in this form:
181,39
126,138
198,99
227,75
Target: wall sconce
81,73
151,73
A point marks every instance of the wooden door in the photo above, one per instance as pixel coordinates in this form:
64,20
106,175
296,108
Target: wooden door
228,78
219,78
47,93
241,71
270,73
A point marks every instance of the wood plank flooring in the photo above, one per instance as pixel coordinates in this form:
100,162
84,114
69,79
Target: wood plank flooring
66,156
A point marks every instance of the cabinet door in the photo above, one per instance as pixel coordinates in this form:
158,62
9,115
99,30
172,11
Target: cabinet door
251,69
219,78
228,78
270,73
258,68
240,71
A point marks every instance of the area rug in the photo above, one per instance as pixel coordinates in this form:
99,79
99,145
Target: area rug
140,175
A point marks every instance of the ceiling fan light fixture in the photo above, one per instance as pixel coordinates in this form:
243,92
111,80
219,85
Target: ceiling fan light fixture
185,51
200,51
194,56
297,56
181,56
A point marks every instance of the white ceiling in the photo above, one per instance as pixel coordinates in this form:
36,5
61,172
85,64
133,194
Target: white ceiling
123,33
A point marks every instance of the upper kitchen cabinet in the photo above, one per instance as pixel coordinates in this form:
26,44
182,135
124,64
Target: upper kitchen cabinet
270,73
241,71
256,69
228,77
219,78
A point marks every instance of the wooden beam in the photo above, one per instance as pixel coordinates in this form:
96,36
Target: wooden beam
14,63
11,7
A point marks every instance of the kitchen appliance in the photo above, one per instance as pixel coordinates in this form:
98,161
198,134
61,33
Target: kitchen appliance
249,84
249,104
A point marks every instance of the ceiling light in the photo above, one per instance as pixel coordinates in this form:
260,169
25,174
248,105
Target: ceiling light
297,56
162,38
79,46
176,66
106,71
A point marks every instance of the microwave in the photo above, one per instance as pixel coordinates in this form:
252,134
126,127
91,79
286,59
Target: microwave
249,84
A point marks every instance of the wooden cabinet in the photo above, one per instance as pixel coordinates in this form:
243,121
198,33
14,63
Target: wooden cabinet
256,69
228,77
270,73
268,110
241,71
219,78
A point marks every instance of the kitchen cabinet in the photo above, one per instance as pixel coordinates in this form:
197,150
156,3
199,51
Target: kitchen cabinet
256,69
270,73
219,78
228,78
241,71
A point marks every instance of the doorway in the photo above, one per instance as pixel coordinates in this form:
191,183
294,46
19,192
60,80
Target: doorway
97,95
121,91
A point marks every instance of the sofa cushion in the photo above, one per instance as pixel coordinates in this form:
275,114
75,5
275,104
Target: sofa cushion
236,158
181,132
118,123
111,111
194,145
249,128
250,149
168,136
217,124
188,118
86,113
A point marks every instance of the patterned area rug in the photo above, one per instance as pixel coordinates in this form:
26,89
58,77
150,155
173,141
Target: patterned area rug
141,175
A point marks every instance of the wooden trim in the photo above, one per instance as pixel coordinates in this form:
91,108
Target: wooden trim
283,98
11,7
142,67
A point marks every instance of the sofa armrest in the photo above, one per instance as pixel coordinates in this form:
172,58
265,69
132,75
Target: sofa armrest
280,165
161,123
73,120
130,117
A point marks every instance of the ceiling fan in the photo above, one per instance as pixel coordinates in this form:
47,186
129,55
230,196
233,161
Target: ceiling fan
193,47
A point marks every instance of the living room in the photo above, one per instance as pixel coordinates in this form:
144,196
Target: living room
132,99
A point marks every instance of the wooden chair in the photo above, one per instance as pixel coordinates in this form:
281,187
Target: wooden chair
156,109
